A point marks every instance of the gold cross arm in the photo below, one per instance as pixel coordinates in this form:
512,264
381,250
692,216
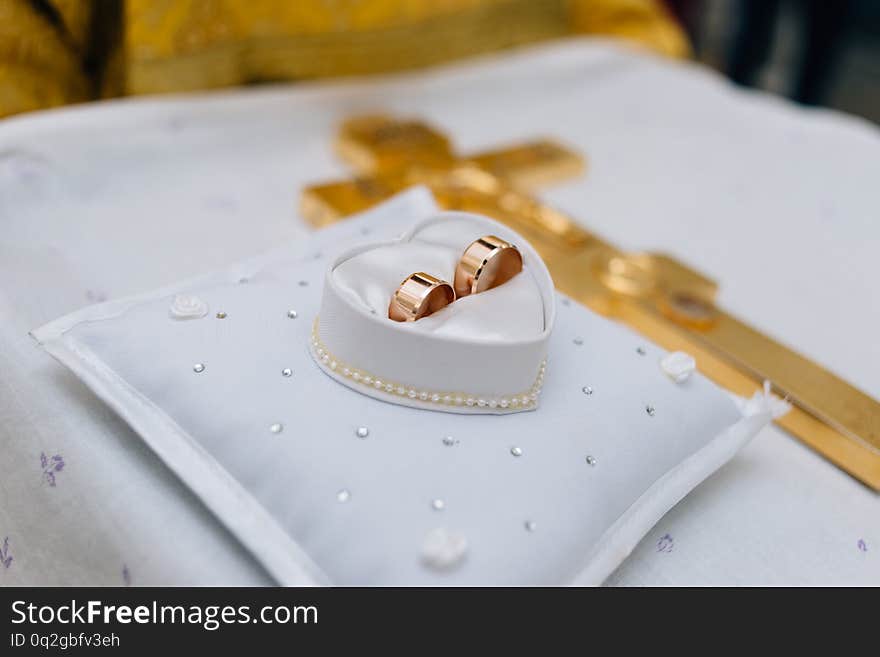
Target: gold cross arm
390,155
652,293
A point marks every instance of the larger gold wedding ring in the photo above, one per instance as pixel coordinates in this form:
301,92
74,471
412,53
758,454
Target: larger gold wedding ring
418,296
486,263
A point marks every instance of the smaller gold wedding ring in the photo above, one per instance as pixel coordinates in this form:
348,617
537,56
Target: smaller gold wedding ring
418,296
486,263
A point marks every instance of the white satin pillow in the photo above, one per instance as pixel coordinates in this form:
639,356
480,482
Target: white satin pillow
328,486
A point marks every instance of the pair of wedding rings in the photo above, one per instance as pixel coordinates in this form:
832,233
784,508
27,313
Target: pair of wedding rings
488,262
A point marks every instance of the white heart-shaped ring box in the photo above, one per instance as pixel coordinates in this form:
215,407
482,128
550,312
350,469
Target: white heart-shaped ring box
485,353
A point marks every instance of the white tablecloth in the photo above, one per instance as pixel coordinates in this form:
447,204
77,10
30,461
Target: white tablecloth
778,203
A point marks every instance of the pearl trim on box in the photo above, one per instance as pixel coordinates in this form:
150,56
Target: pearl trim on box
444,398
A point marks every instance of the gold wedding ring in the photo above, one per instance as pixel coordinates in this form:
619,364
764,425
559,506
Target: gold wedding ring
418,296
486,263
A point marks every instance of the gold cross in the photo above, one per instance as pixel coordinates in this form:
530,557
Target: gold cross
652,293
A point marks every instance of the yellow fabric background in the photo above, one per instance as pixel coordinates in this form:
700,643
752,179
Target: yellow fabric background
54,52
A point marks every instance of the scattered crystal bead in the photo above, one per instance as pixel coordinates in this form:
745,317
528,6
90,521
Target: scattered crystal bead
292,314
276,428
587,390
449,441
438,505
530,525
591,460
198,368
287,372
362,432
221,315
516,451
343,496
650,410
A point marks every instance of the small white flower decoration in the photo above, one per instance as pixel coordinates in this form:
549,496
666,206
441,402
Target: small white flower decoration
187,306
443,549
678,366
